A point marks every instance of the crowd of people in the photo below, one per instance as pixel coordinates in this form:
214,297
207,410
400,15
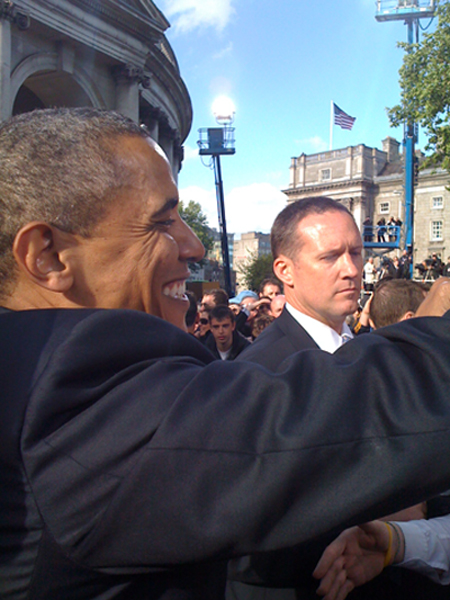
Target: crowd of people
385,231
433,267
139,461
247,315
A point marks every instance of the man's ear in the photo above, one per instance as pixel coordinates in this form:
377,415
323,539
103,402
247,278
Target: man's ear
409,314
39,249
282,267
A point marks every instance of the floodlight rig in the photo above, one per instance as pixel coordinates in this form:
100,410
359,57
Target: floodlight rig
217,141
409,11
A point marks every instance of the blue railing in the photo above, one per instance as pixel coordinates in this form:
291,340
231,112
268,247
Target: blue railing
381,236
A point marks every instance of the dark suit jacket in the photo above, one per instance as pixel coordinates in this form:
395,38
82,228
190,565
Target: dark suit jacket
292,567
281,339
131,462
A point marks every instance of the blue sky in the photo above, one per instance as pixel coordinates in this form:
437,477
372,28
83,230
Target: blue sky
281,62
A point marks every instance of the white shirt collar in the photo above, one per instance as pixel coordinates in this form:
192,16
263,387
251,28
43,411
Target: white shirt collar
326,338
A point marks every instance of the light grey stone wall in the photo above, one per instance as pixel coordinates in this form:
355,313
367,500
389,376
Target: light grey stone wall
104,54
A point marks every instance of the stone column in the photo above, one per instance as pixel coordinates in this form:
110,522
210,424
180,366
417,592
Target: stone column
292,170
154,130
128,78
301,170
9,14
5,69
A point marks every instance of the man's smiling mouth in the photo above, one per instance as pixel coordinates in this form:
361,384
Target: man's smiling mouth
175,289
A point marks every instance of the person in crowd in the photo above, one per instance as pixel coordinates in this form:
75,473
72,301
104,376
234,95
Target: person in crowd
225,342
203,331
436,266
277,305
395,300
269,288
381,230
369,274
367,229
214,297
192,316
396,267
133,464
219,297
319,293
446,268
317,248
249,303
405,265
387,269
261,322
392,229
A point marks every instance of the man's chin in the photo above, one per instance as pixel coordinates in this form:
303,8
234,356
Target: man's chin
176,317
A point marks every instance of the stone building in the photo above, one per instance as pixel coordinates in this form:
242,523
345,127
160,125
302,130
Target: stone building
370,182
250,245
103,53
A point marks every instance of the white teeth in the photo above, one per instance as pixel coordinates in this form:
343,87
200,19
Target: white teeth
175,290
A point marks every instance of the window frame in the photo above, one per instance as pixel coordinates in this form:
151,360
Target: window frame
380,208
436,237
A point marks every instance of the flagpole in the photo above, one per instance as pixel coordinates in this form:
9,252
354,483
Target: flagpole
331,126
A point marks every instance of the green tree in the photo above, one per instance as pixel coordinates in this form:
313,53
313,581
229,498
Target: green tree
425,88
193,215
256,269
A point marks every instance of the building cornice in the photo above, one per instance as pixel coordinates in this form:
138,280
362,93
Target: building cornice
107,26
333,185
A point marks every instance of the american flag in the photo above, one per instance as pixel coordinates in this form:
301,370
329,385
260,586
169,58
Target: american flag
342,119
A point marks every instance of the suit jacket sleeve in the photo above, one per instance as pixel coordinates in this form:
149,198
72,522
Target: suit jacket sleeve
141,454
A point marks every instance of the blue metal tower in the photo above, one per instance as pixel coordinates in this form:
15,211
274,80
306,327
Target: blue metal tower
410,11
217,141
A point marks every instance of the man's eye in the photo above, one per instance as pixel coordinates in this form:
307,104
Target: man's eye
164,224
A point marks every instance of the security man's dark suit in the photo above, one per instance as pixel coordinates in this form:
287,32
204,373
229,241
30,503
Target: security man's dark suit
132,464
281,339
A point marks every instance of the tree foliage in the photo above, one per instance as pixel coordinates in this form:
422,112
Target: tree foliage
425,87
256,269
193,215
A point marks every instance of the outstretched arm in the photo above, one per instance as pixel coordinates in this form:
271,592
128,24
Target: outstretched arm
356,556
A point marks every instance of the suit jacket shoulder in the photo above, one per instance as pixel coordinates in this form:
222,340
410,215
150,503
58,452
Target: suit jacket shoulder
280,340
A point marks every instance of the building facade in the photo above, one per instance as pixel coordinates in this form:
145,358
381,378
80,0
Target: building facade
370,182
109,54
250,245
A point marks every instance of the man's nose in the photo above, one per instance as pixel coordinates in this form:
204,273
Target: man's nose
351,265
190,247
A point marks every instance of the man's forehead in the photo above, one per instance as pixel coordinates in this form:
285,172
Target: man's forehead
324,224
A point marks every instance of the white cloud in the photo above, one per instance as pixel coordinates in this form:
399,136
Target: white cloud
312,144
248,208
224,52
194,14
190,153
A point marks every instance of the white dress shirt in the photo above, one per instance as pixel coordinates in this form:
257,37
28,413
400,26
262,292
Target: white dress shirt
427,547
326,338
